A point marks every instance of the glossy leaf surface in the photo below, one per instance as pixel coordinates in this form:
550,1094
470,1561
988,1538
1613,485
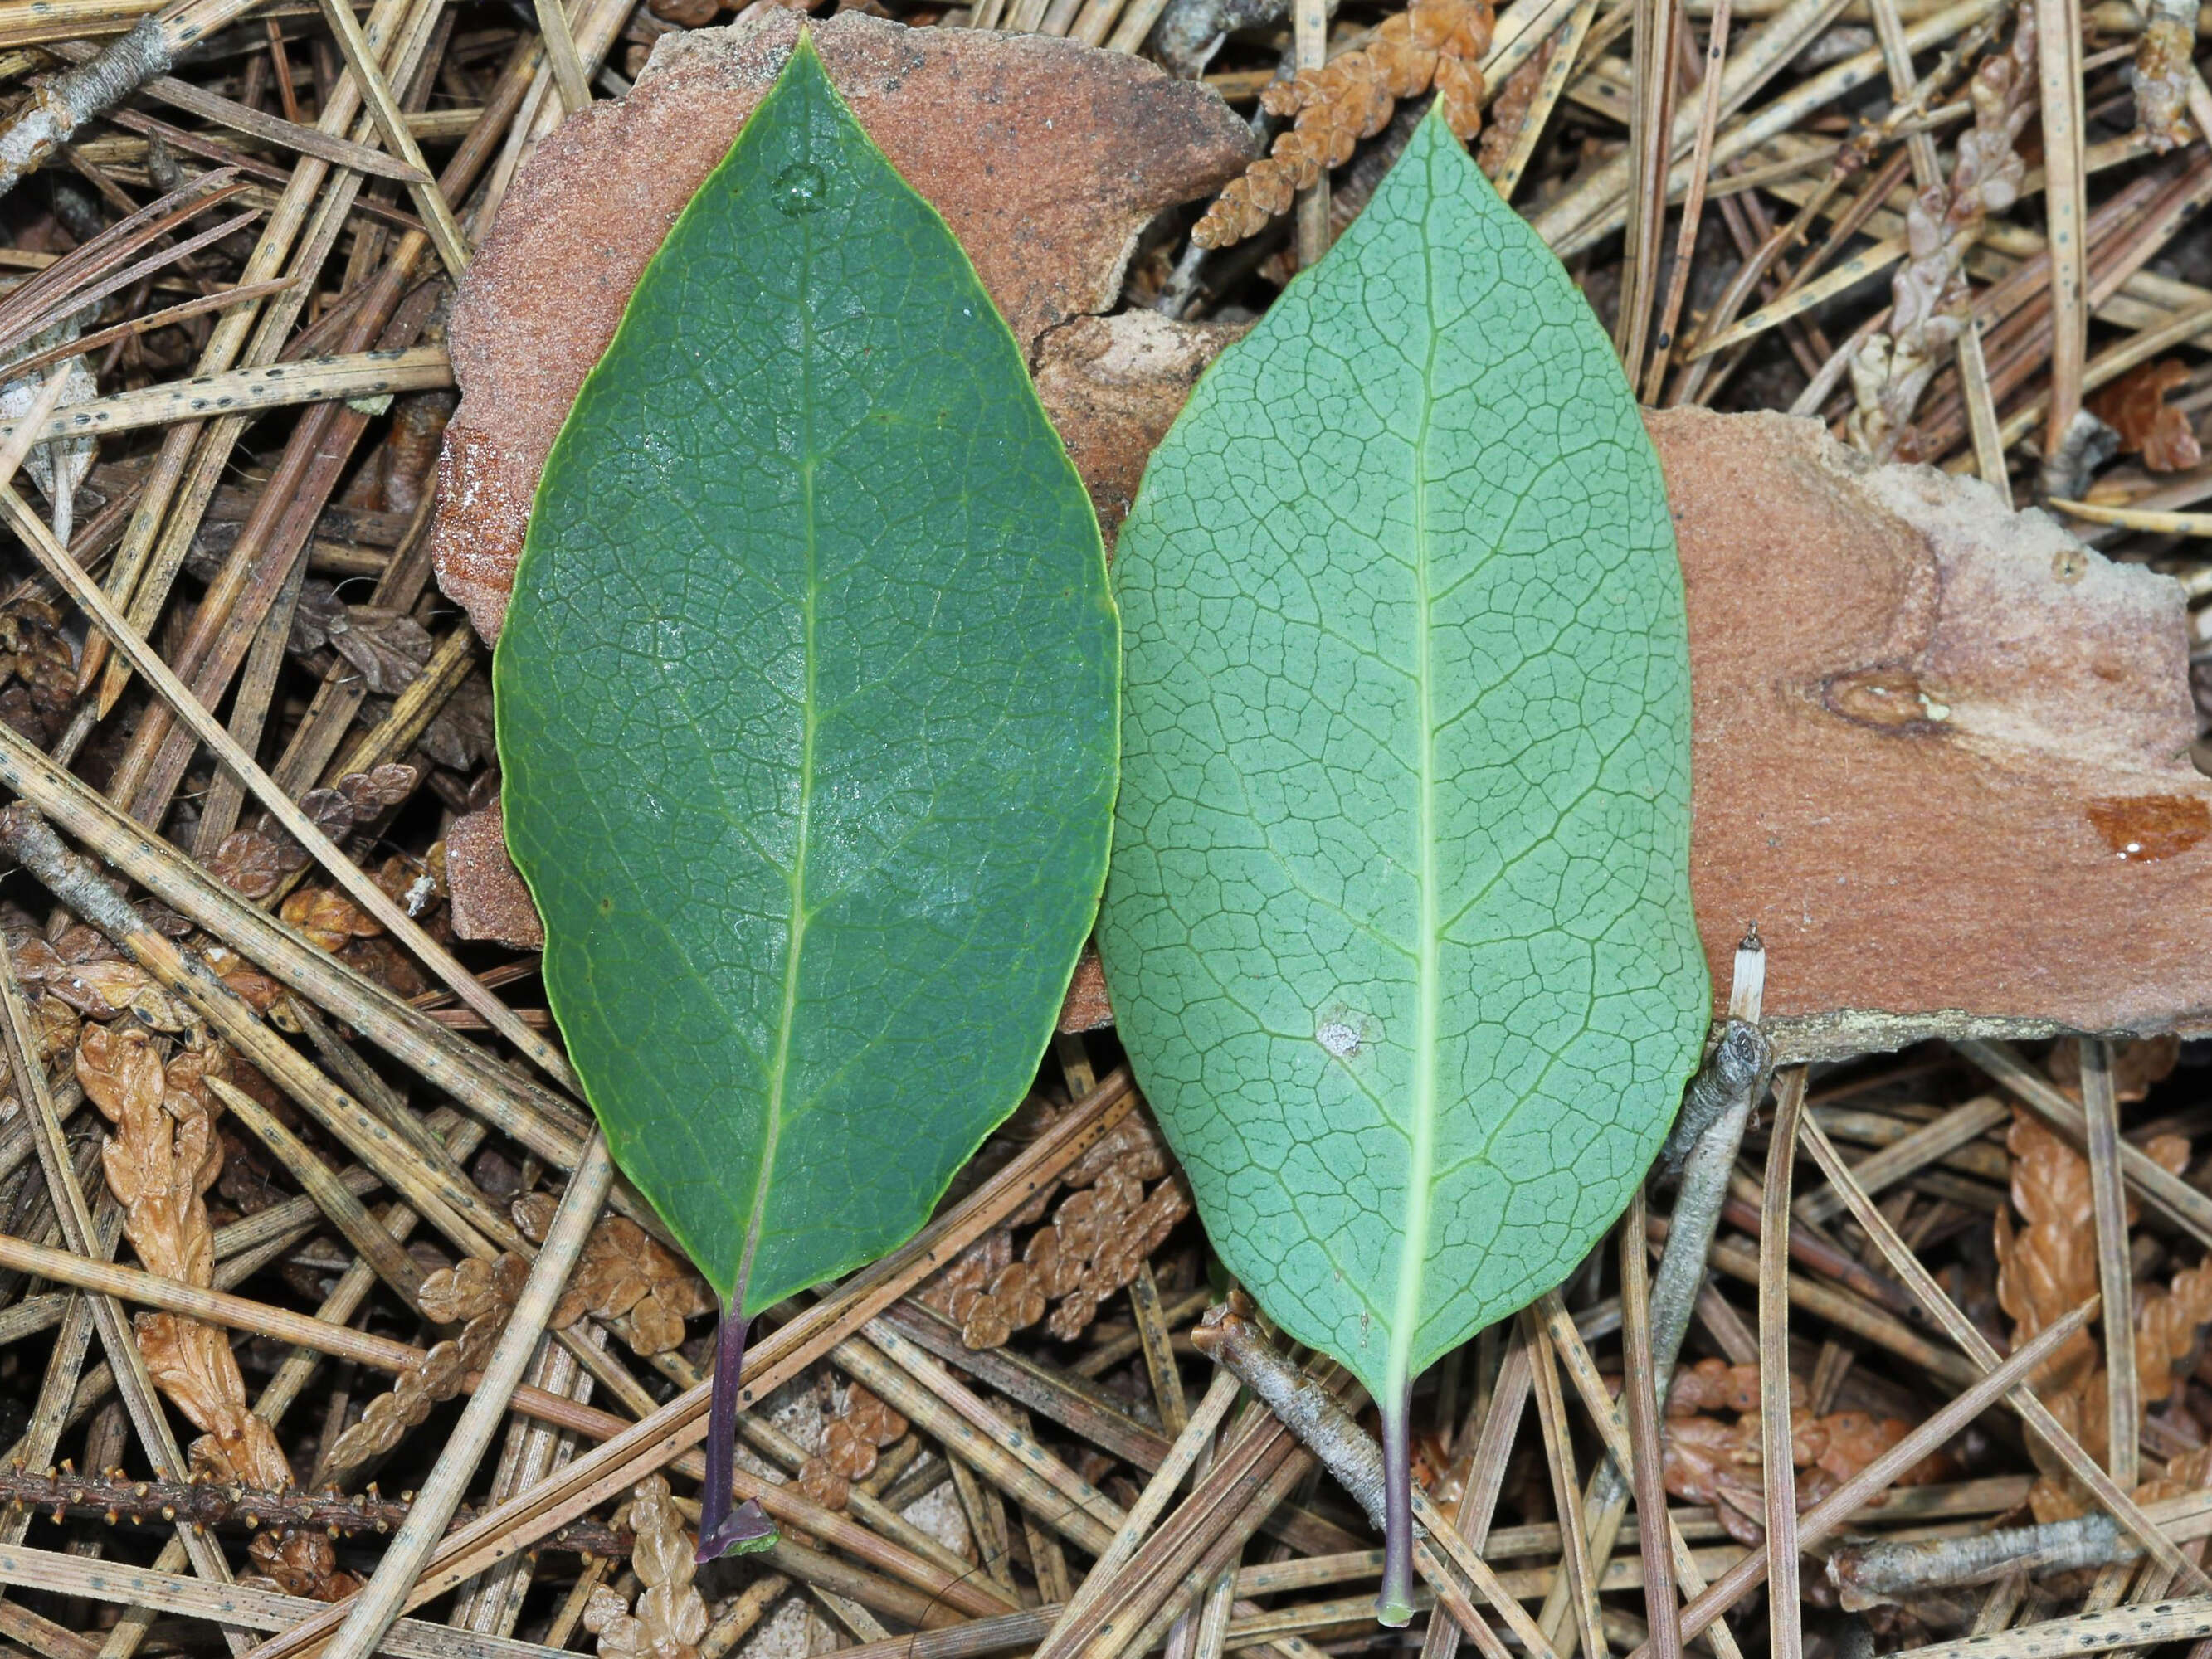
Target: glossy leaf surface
1398,932
806,708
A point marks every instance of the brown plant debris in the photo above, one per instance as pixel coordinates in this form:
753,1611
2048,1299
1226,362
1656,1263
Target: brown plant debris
670,1616
159,1160
1096,1239
2138,1064
1508,110
385,648
2136,407
1719,1461
489,900
40,665
1929,296
627,1279
1113,386
328,919
254,864
2051,1254
95,981
851,1443
477,1295
2164,66
1432,43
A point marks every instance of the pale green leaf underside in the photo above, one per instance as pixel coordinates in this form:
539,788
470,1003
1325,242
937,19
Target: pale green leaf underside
806,707
1398,930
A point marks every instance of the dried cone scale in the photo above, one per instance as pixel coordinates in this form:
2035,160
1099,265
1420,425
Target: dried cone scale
669,1619
850,1444
1433,43
2050,1254
1707,1459
1098,1238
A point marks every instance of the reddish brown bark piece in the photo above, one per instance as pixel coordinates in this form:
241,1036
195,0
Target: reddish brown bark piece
1942,751
1086,1008
1046,158
484,891
1113,386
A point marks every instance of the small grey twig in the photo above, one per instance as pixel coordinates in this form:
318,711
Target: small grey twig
1190,32
66,101
1708,1134
1308,1410
1722,1096
1868,1575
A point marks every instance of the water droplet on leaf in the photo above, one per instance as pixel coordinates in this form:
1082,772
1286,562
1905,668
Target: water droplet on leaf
801,188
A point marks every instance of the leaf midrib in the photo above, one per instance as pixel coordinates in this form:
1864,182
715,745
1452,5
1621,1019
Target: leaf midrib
795,926
1413,1249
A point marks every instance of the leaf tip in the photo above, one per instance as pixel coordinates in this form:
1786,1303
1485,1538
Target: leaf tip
805,56
1433,129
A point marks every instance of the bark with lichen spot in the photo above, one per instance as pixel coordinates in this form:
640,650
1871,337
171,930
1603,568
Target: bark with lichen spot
1870,1575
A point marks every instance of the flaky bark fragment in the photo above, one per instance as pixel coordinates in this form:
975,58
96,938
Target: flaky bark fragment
1939,751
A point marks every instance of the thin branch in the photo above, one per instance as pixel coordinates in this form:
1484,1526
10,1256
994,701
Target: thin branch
1662,1612
2115,1272
1349,1453
1785,1623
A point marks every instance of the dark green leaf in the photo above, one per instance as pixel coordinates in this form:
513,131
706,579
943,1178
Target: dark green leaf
806,709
